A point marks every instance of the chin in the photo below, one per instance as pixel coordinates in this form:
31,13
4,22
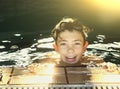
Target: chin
74,62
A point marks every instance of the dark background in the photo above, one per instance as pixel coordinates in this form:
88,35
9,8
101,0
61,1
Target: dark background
30,18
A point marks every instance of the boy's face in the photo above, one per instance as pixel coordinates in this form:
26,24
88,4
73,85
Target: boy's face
70,46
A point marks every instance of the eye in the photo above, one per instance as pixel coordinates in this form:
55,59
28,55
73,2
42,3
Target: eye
77,43
62,44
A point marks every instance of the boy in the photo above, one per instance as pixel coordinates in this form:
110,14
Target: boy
70,40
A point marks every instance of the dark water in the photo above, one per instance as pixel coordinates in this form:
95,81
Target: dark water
22,40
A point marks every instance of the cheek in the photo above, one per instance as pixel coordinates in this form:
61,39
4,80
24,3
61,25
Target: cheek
61,48
61,51
79,50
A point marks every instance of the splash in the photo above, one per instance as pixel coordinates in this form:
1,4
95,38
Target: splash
43,48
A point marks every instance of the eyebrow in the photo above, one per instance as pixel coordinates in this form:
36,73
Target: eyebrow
62,40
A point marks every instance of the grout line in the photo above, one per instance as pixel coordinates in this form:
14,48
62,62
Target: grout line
10,75
66,75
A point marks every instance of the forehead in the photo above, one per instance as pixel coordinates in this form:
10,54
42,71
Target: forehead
70,35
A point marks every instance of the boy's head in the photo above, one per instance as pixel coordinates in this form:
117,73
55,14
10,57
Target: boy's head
70,39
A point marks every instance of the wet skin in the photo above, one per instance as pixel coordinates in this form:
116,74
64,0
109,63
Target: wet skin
70,46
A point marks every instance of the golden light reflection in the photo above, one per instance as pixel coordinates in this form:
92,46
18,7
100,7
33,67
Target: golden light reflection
39,68
108,10
5,72
36,79
108,4
105,78
49,68
43,72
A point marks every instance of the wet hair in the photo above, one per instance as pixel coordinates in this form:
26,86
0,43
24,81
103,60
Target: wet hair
70,24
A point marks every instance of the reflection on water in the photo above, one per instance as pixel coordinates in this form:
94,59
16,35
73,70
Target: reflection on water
43,48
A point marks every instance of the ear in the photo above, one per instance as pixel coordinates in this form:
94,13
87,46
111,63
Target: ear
55,47
86,45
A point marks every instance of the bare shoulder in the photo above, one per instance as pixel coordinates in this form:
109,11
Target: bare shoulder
42,65
97,62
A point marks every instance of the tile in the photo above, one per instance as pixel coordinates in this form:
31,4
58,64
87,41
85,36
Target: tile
24,76
6,73
37,79
78,78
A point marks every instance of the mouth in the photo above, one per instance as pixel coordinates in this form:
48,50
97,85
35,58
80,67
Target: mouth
71,59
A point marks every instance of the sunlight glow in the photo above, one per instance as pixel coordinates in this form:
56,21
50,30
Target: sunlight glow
2,47
49,68
36,80
108,10
109,4
44,72
17,34
105,78
39,74
39,68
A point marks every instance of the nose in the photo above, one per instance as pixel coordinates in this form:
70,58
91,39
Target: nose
70,49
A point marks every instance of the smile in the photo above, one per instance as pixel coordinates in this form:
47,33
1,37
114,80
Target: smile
71,59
